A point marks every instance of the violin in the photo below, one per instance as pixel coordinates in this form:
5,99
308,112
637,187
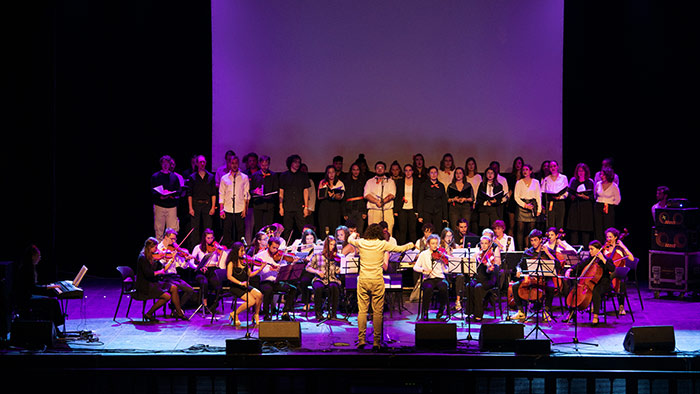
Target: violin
215,247
440,254
284,256
253,261
487,256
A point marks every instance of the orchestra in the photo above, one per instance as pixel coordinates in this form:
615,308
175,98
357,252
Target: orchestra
420,197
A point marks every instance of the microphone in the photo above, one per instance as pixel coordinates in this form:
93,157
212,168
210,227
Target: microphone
244,242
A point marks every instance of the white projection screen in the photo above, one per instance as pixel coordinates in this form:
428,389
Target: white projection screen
387,78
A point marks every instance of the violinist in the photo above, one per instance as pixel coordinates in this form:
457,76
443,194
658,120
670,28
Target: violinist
604,283
325,267
433,263
342,233
305,245
539,285
615,250
148,282
504,241
239,272
172,257
487,272
269,285
212,257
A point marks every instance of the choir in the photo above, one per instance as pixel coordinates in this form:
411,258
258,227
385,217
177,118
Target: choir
281,214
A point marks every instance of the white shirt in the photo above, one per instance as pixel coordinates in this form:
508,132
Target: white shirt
610,196
505,242
597,178
408,196
234,189
553,186
475,181
428,267
267,273
217,260
178,261
373,186
523,192
446,177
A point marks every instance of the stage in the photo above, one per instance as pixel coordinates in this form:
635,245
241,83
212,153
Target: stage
122,355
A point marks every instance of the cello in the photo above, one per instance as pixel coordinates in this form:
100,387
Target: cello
581,297
618,262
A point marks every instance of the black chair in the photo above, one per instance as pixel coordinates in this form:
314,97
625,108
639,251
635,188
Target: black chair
127,288
612,295
225,292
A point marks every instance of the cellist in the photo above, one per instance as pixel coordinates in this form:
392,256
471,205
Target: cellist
536,250
616,251
603,284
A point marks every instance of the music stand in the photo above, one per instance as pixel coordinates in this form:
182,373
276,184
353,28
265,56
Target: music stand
290,273
329,318
540,271
470,273
575,340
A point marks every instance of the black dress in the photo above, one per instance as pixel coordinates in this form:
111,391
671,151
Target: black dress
580,210
147,284
241,275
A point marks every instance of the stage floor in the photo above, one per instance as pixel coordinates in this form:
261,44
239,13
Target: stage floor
130,335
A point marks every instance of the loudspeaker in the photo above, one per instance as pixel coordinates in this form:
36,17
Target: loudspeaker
500,337
650,340
679,217
533,346
436,335
33,333
243,346
674,239
274,331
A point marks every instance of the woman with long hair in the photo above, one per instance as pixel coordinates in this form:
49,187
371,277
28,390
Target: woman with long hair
529,199
331,191
579,221
460,197
149,285
489,198
326,266
473,177
238,272
607,197
512,207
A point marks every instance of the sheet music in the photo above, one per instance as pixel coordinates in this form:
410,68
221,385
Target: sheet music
546,267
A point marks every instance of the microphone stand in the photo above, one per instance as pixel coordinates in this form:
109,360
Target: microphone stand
471,298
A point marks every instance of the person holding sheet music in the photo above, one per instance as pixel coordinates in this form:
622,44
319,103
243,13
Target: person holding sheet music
607,197
528,196
269,283
331,191
432,264
432,201
165,192
264,191
596,256
460,198
354,207
555,188
535,252
489,198
488,269
579,221
325,267
370,281
239,272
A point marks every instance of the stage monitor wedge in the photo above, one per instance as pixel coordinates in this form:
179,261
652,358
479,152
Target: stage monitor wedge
500,337
275,331
650,340
436,335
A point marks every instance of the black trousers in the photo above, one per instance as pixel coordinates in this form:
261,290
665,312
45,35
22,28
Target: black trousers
201,220
429,287
234,228
406,224
333,290
262,217
291,220
269,288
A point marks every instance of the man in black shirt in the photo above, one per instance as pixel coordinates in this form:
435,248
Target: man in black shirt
293,194
201,198
165,192
264,189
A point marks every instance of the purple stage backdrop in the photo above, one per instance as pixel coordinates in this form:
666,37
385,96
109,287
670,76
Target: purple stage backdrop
387,78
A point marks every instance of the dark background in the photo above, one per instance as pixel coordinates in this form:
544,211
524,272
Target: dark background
98,92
